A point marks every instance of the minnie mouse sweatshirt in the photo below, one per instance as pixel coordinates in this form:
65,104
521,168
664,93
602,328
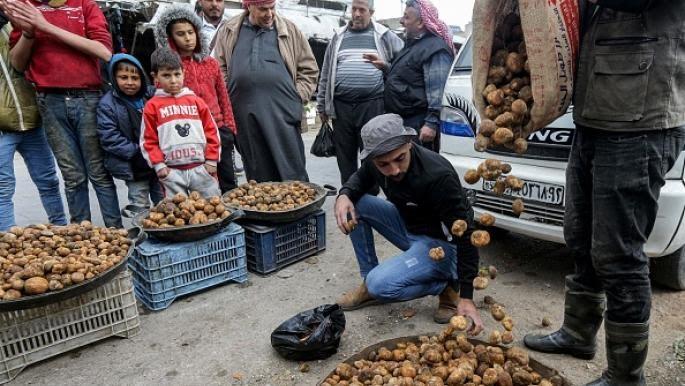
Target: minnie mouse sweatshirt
178,131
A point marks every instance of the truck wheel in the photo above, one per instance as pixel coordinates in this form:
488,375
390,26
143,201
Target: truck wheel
670,270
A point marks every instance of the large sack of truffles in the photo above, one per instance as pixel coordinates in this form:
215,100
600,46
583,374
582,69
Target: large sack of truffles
524,51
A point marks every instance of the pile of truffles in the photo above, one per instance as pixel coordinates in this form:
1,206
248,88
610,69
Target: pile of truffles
270,196
496,170
508,94
446,359
182,210
42,258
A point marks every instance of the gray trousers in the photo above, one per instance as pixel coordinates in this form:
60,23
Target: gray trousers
613,181
347,127
185,181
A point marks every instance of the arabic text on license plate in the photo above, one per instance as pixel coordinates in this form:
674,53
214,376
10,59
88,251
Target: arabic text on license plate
534,191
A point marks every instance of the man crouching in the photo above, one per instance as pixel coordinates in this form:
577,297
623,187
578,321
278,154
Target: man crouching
424,198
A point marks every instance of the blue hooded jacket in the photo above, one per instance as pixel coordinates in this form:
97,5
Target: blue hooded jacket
119,118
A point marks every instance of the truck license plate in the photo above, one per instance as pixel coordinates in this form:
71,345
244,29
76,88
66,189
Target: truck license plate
534,191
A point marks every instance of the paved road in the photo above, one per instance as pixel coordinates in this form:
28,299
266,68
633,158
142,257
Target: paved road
208,338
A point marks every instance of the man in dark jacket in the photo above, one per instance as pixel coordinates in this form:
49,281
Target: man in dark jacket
629,112
120,113
415,81
424,199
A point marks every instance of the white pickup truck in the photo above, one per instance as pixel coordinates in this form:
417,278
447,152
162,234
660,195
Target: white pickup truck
543,169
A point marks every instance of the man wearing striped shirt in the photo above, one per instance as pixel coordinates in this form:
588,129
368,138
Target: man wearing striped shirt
351,87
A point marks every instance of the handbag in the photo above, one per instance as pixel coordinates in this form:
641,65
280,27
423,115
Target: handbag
323,145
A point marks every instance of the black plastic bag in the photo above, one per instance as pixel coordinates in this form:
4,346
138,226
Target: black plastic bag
310,335
323,145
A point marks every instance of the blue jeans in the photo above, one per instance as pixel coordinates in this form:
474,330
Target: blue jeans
71,125
140,193
33,147
411,274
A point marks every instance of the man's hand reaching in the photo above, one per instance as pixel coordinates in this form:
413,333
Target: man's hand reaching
343,208
468,309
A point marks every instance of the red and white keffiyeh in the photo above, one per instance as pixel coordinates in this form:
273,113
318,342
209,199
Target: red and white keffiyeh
431,19
247,3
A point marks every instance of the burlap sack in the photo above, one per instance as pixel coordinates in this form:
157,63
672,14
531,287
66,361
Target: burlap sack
551,33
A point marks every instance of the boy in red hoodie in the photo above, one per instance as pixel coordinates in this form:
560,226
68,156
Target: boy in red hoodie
179,28
179,137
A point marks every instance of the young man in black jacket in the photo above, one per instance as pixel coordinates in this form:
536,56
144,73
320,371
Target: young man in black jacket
424,199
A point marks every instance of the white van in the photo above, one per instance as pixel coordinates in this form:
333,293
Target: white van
543,169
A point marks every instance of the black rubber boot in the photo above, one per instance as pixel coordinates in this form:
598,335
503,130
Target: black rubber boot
583,314
626,354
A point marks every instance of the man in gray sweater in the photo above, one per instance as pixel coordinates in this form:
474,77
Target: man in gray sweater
351,87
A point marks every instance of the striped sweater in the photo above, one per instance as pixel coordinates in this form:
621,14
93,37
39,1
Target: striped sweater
178,131
356,78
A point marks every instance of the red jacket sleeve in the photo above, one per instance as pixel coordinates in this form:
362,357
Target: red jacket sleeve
224,99
96,24
149,138
213,146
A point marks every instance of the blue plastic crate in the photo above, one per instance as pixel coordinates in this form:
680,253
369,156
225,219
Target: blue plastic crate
164,271
270,248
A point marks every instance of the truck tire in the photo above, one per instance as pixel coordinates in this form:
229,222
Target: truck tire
669,270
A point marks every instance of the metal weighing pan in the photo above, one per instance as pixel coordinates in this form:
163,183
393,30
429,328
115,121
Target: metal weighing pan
134,234
287,215
541,369
186,232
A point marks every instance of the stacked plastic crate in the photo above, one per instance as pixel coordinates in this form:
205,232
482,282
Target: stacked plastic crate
272,246
163,271
31,335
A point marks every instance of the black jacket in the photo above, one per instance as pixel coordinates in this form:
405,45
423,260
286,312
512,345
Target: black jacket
119,128
405,86
429,198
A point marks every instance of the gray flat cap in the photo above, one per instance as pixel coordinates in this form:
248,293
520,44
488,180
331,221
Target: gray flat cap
384,134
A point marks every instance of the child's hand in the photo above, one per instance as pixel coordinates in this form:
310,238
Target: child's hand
211,169
163,173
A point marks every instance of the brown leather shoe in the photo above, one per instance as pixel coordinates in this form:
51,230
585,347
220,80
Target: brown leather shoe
447,307
356,299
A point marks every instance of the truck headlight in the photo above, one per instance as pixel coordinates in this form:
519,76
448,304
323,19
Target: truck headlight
454,122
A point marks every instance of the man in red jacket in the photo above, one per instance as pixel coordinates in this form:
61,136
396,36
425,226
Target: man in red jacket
59,45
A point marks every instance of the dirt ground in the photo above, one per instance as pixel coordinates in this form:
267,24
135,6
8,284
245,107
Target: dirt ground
222,336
